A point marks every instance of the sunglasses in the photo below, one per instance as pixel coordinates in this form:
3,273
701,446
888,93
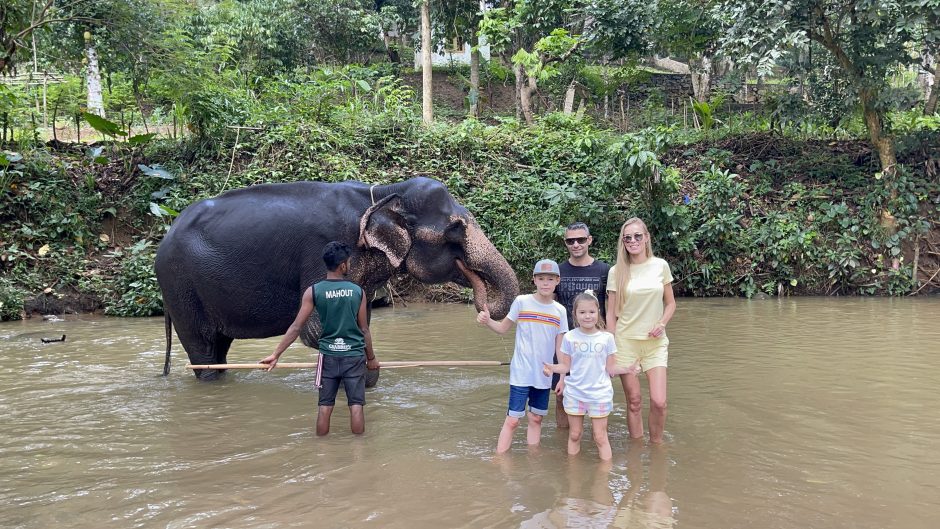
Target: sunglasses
638,237
570,241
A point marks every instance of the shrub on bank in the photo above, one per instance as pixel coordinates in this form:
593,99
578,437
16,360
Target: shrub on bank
735,214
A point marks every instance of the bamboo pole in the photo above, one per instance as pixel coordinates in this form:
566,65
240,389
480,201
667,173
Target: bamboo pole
385,365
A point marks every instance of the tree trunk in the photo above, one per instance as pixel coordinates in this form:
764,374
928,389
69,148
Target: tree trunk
701,79
884,144
475,79
93,81
525,99
517,72
930,107
427,108
569,98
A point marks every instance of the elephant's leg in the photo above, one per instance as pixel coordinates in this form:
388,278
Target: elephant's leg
203,349
217,349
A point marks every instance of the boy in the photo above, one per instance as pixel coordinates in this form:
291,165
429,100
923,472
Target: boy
345,343
540,323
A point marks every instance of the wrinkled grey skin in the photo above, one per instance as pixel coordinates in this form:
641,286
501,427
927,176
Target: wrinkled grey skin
235,266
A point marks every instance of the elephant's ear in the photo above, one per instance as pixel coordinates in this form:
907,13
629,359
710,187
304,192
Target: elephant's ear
383,227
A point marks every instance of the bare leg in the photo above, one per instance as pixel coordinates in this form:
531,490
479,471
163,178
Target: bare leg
323,419
576,430
357,419
599,429
505,434
561,418
631,388
657,418
534,429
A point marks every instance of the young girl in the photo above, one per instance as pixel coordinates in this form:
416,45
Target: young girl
587,353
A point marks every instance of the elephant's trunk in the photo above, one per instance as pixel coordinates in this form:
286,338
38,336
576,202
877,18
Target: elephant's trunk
494,282
479,288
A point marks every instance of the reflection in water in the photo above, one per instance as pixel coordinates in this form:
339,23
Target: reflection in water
784,414
625,493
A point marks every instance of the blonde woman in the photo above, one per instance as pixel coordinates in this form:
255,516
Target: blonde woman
640,305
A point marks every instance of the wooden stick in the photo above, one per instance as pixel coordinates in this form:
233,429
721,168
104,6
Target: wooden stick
384,365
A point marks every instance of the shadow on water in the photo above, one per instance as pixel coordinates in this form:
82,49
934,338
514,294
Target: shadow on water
782,414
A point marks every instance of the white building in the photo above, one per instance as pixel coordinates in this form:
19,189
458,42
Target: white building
453,54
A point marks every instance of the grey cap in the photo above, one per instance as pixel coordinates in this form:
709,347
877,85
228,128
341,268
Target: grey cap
546,266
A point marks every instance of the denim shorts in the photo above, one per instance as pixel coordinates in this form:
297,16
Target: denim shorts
537,399
348,370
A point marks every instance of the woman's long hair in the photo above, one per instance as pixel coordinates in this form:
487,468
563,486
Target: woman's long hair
622,272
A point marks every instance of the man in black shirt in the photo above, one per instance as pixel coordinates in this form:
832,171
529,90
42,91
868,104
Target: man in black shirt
579,273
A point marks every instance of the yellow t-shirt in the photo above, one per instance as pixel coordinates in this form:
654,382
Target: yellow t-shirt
644,298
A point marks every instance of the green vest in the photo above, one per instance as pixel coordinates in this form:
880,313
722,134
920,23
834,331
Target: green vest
337,302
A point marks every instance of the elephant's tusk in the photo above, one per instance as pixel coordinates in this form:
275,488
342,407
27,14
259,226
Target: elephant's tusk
479,288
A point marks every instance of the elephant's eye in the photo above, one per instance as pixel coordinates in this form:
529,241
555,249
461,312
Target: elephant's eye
455,231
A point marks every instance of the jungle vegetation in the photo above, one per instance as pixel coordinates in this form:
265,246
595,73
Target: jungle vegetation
773,147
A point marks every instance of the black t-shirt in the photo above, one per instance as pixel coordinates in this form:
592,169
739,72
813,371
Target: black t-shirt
577,279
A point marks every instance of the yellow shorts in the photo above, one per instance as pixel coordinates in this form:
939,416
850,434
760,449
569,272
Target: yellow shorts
651,353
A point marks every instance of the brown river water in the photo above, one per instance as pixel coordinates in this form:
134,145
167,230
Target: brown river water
795,413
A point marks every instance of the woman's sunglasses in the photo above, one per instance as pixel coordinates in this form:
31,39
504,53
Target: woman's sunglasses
638,237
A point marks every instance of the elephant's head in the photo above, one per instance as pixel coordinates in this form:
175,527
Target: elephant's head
421,229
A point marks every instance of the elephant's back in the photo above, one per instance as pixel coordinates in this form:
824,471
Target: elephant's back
250,252
265,217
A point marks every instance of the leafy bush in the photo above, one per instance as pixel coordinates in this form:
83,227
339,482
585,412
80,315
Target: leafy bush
136,287
11,301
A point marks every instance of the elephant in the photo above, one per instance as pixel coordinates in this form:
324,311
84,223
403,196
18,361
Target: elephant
235,266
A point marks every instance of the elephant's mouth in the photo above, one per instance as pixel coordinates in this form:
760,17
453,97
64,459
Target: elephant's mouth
476,282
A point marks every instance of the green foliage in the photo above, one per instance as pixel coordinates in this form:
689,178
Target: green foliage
11,300
136,285
731,220
102,125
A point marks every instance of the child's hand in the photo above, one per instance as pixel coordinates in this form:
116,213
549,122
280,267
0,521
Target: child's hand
616,371
560,387
547,369
483,317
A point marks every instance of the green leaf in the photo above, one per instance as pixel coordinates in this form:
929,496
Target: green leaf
141,139
8,157
363,85
108,128
156,171
155,209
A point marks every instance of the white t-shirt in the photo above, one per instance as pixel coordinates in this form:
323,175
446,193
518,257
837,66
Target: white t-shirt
588,381
537,325
644,297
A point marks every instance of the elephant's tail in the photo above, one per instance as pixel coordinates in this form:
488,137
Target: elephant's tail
169,339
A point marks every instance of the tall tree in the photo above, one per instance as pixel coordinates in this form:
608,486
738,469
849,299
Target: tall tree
460,19
864,37
427,105
543,35
20,18
93,77
690,29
